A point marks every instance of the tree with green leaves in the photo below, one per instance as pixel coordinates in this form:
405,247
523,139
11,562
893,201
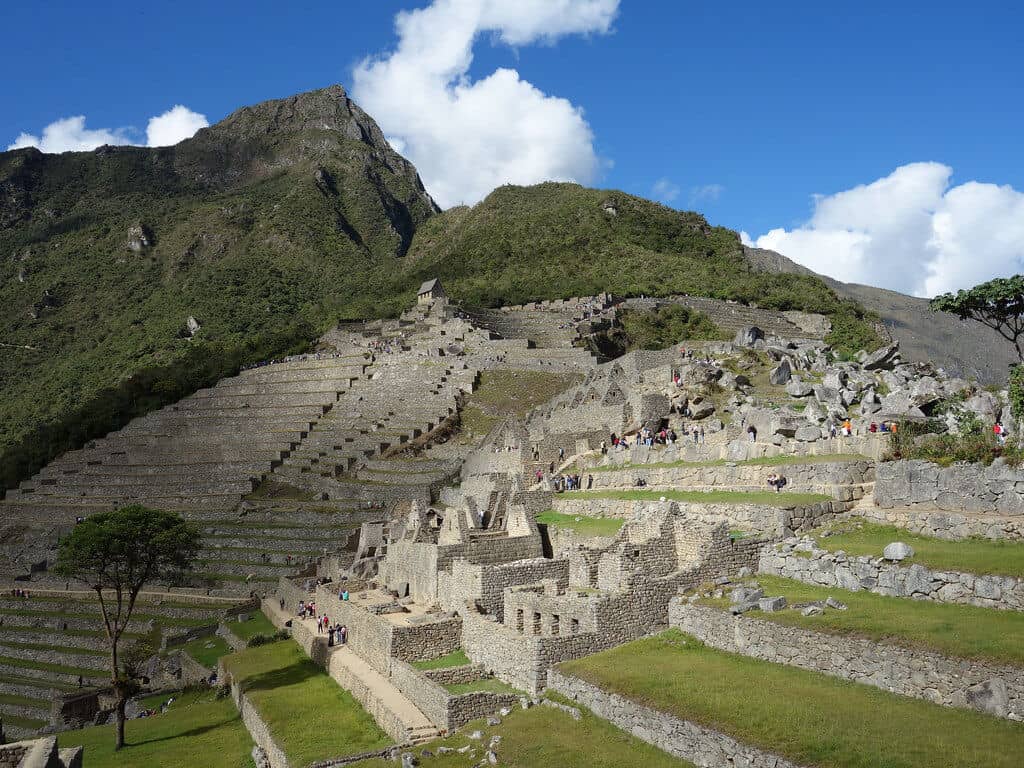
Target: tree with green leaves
116,554
998,304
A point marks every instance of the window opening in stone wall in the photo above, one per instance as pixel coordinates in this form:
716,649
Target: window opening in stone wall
519,620
536,623
555,621
574,627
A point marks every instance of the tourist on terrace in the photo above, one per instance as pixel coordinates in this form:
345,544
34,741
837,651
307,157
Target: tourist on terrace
752,433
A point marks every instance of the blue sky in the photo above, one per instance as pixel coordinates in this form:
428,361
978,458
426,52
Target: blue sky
743,111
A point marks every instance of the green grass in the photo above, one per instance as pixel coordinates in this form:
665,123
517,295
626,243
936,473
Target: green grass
488,685
456,658
309,715
24,701
504,392
808,718
764,461
543,737
46,666
35,682
28,723
767,498
258,624
584,526
965,631
976,555
208,657
198,729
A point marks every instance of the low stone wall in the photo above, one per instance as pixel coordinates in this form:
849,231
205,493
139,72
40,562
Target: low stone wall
996,689
947,525
961,487
257,728
171,642
800,559
702,746
840,479
389,720
754,518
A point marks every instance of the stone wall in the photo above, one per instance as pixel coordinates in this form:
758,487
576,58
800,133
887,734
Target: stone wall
946,525
256,726
996,689
975,488
753,518
484,585
799,559
443,709
702,746
840,479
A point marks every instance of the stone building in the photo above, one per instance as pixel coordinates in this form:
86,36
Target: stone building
431,291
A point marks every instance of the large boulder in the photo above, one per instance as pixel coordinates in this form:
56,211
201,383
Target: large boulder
808,434
835,379
897,551
701,410
781,374
748,337
797,388
989,696
883,359
786,423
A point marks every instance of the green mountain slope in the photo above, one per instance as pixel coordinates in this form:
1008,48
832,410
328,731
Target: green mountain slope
560,240
265,228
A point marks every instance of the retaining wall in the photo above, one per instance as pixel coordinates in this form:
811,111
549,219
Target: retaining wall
961,487
917,673
702,746
799,559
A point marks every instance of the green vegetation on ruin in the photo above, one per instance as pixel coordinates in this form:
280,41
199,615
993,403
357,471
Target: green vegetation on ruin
502,393
257,624
584,526
456,658
655,329
309,715
486,685
764,461
974,555
543,737
768,498
197,729
963,631
808,718
207,650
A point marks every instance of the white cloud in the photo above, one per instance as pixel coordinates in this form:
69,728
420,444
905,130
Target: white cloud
69,134
665,191
706,193
176,124
467,137
911,232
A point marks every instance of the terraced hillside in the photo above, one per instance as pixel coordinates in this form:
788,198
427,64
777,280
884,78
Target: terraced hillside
52,643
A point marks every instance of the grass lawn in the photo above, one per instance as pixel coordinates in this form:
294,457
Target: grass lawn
768,498
208,657
198,729
584,526
972,555
25,701
47,666
456,658
543,737
808,718
28,723
311,717
965,631
764,461
490,685
258,624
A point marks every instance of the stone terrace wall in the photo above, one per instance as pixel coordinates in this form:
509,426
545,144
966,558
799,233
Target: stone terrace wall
917,673
484,585
798,559
946,525
756,518
960,488
702,746
443,709
833,478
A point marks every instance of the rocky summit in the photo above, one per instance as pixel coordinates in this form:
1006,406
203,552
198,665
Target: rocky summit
459,505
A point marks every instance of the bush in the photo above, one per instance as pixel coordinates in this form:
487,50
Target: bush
260,639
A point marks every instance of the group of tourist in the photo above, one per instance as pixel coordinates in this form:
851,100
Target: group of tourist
777,481
20,593
1000,432
885,426
571,483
